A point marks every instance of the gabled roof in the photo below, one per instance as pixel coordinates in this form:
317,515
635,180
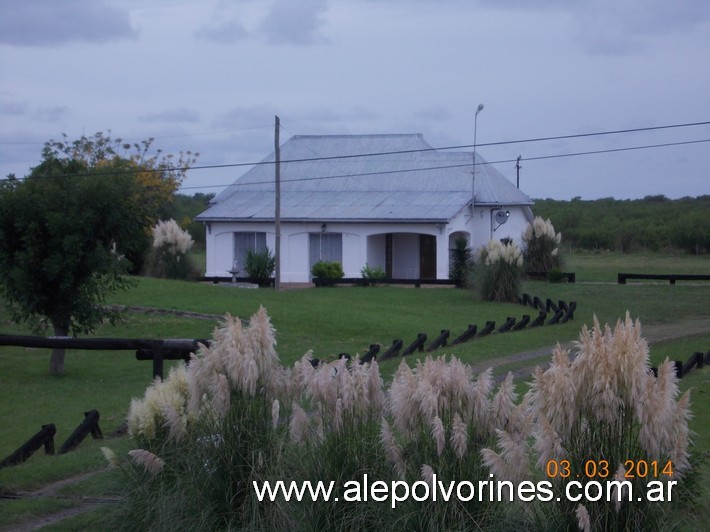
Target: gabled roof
364,178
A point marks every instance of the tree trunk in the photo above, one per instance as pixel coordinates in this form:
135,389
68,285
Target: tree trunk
56,361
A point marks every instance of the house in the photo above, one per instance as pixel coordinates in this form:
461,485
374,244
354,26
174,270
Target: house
388,201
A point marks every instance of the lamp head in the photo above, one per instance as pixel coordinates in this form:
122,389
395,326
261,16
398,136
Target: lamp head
480,108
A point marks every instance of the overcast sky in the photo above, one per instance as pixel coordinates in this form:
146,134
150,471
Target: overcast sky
209,76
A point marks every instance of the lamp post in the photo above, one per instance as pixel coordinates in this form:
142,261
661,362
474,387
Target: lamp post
473,180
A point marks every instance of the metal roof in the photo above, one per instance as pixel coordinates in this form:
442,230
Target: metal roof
364,178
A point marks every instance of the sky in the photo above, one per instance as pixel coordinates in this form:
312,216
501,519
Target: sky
210,76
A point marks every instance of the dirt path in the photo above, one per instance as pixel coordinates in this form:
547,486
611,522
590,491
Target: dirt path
83,504
654,334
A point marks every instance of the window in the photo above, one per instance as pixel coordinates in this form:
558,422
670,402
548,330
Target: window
244,242
326,247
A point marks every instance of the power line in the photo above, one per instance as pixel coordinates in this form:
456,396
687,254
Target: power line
451,166
422,150
156,137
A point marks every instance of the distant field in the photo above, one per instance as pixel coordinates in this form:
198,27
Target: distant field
604,266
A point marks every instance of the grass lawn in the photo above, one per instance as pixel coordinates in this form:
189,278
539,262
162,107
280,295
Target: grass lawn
329,321
604,266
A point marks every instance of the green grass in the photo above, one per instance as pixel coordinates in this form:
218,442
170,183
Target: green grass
329,321
349,319
603,266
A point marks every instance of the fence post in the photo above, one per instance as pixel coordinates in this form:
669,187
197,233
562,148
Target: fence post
158,359
43,437
89,425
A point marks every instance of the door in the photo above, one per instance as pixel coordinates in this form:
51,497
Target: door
427,256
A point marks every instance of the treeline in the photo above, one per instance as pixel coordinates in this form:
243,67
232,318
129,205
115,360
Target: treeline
654,223
184,209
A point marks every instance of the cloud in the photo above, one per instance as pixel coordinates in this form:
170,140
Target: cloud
611,27
299,23
227,32
435,113
179,114
15,108
51,22
52,114
280,22
246,117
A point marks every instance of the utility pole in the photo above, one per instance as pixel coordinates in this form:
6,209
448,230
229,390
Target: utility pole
473,179
517,170
277,217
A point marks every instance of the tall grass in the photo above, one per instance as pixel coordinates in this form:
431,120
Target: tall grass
604,408
498,273
541,246
236,416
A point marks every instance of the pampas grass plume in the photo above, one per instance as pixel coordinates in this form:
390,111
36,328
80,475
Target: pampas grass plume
583,518
459,436
151,463
437,432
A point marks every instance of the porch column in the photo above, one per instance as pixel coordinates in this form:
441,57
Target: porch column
442,254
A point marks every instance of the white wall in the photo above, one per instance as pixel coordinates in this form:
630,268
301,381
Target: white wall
362,243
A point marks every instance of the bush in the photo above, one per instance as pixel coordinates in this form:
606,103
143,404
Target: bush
167,258
540,247
207,432
461,262
235,415
499,272
372,274
556,276
327,270
259,265
601,412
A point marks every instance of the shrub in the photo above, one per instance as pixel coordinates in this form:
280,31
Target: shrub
236,416
499,271
215,429
327,270
370,273
461,261
259,265
556,276
605,408
168,256
540,246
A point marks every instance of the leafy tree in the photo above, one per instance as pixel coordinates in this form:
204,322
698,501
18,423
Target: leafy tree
184,209
68,230
157,177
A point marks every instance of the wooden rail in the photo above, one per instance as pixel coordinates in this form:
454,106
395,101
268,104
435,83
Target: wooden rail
146,349
672,277
570,277
359,281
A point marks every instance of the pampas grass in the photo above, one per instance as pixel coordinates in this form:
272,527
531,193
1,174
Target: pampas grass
605,405
148,461
217,424
499,271
236,416
168,255
541,246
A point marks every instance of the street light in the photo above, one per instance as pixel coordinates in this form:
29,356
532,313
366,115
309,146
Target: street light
473,181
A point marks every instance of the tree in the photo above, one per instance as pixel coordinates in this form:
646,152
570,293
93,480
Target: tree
67,232
157,177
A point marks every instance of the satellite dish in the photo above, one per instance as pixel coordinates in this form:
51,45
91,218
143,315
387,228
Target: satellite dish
502,217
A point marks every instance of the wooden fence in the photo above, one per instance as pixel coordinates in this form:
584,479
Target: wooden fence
621,278
146,349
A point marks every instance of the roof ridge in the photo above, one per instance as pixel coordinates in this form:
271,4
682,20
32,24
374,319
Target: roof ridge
360,135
